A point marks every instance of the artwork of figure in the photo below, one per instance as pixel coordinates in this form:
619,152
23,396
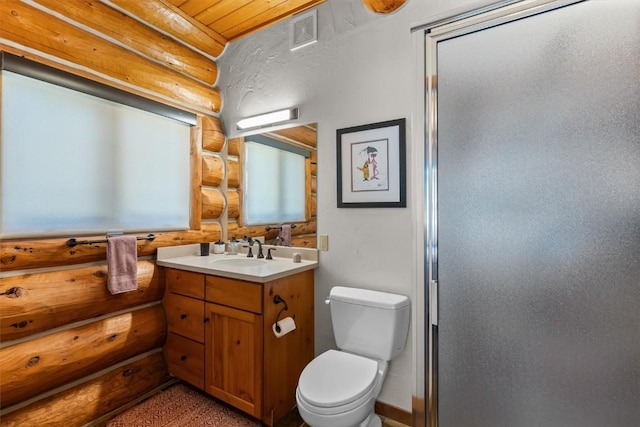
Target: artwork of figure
365,170
374,165
370,165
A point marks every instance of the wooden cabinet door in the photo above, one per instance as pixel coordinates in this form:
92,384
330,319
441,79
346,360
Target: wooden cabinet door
233,355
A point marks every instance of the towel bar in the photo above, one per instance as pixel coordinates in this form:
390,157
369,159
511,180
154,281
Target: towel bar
269,227
75,242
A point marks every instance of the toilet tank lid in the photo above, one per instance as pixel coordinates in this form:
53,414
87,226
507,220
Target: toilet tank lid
369,298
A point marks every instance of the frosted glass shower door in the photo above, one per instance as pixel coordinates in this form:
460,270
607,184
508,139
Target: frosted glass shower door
538,221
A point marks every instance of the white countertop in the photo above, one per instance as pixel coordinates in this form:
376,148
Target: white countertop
187,257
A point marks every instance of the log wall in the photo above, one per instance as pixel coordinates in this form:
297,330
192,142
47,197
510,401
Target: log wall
70,352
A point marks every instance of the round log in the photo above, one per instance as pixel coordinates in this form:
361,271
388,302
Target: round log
233,179
383,6
314,204
66,42
212,203
304,136
90,400
38,302
41,364
212,170
138,37
307,229
314,163
304,241
234,145
170,20
212,134
42,253
233,204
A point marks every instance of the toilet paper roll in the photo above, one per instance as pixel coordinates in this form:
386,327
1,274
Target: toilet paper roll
286,325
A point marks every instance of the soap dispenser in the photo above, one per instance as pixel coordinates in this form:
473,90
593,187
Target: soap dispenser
233,246
218,247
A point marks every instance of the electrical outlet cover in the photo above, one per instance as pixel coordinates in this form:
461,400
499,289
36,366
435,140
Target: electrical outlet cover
323,242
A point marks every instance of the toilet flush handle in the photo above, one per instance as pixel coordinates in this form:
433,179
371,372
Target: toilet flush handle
327,300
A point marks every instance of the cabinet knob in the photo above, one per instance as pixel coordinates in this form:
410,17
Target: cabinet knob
183,316
183,358
206,320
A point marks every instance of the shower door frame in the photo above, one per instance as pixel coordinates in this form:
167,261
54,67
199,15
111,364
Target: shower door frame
425,40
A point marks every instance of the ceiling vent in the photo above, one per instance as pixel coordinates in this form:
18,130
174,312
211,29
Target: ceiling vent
304,29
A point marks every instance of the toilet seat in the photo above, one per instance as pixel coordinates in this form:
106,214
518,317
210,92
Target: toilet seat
337,379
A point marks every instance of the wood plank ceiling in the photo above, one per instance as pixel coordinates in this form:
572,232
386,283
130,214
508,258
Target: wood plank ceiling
218,21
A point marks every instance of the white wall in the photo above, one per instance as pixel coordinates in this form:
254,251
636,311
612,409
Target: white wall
360,71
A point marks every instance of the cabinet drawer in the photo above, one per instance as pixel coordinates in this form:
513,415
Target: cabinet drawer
185,316
185,283
234,293
185,359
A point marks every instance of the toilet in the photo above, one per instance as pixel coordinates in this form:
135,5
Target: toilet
339,388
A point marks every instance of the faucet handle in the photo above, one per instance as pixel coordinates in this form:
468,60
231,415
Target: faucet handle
250,253
269,253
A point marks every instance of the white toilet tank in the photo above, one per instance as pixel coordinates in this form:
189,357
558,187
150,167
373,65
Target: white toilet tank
370,323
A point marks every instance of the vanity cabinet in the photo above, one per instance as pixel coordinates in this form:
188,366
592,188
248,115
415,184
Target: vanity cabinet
221,339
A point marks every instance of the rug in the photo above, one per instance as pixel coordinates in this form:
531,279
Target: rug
181,406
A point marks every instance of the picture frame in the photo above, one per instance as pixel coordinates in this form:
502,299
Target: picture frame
371,165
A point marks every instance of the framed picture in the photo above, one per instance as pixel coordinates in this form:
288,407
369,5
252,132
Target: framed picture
372,165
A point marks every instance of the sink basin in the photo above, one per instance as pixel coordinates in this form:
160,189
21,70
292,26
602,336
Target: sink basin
238,262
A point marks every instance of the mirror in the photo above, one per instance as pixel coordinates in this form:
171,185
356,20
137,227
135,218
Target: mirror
303,233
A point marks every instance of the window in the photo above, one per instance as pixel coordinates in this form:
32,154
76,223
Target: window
274,182
77,163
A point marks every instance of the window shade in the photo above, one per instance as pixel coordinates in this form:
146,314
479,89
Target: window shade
73,162
274,185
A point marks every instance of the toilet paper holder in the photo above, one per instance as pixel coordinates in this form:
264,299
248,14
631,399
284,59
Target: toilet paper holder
277,299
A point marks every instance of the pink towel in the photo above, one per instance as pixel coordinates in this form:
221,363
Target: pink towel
285,234
122,263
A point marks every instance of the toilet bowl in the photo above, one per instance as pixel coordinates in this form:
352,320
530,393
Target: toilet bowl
339,389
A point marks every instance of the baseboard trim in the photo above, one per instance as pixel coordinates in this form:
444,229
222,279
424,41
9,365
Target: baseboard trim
394,413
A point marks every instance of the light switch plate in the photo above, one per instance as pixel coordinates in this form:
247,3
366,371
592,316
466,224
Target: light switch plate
323,242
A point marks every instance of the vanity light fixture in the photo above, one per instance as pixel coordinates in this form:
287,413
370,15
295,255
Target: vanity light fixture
267,119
